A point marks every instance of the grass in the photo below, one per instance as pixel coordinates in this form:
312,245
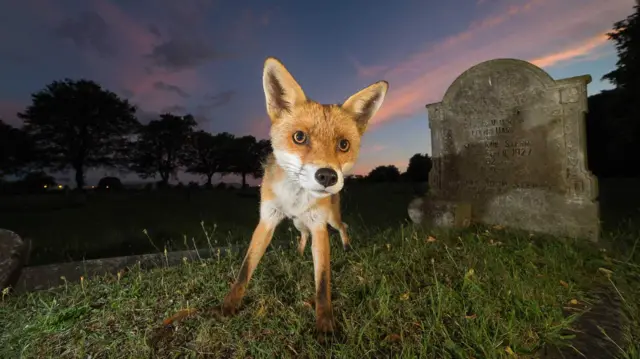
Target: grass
65,228
475,293
403,292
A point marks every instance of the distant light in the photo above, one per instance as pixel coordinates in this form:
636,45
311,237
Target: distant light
93,186
45,186
60,186
107,187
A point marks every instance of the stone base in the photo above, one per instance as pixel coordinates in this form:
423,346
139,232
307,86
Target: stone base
533,210
14,253
430,212
542,211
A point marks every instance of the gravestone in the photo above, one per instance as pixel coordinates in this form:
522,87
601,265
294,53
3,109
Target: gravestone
509,142
14,253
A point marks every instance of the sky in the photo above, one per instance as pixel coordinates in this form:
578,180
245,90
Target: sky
205,57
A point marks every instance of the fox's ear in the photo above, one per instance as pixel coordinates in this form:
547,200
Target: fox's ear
281,90
366,102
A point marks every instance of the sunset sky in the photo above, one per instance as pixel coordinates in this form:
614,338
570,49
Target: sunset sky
205,56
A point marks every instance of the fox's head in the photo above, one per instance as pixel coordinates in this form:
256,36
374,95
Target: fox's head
316,144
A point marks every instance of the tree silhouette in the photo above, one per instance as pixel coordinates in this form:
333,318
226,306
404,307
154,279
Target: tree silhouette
6,149
612,121
419,167
16,150
209,154
262,150
162,146
79,125
247,157
606,125
110,183
34,182
388,173
354,178
626,36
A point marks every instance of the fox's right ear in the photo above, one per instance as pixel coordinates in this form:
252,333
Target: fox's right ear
281,90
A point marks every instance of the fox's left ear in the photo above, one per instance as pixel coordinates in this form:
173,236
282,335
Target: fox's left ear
366,102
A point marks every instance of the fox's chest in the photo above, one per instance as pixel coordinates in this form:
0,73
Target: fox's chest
292,200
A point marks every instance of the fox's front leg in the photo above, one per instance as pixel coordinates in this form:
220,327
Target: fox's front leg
262,235
304,234
335,221
322,274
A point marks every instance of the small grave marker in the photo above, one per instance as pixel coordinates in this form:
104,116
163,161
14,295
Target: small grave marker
14,253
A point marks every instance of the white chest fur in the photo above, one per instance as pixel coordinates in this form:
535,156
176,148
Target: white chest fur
294,202
292,199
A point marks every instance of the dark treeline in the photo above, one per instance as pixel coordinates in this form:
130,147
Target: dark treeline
613,121
78,125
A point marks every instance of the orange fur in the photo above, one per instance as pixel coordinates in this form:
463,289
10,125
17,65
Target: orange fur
314,145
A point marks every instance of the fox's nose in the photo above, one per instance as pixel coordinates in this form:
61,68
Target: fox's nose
326,177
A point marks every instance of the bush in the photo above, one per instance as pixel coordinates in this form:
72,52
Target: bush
110,183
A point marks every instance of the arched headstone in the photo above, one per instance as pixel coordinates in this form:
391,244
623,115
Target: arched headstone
509,143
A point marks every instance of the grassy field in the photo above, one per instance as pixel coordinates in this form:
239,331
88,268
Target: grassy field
64,228
478,293
482,292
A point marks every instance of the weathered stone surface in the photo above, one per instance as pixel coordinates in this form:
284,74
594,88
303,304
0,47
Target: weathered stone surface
14,253
44,277
48,276
510,140
440,213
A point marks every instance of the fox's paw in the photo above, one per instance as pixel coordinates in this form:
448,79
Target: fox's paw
231,302
325,323
230,308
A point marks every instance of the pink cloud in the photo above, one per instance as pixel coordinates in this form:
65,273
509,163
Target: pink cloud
129,69
421,61
373,149
367,71
538,31
259,128
583,49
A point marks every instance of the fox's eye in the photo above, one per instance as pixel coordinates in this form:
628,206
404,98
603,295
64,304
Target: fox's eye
299,137
343,145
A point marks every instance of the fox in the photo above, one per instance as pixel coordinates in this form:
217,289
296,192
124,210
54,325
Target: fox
313,145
